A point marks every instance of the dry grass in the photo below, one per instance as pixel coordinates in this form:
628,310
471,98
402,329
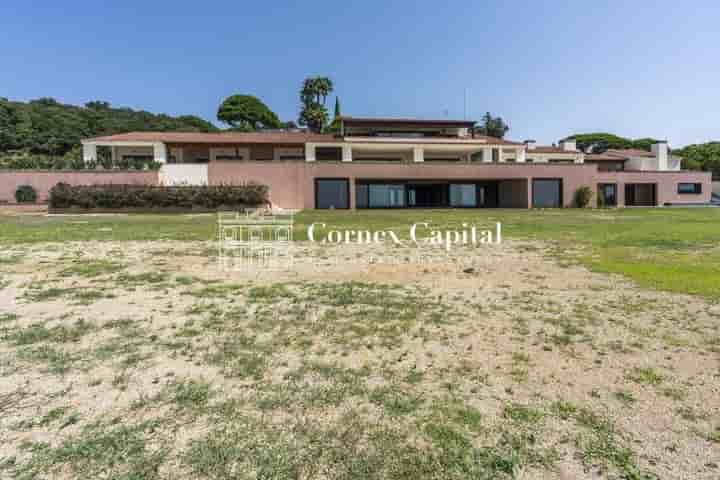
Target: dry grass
143,360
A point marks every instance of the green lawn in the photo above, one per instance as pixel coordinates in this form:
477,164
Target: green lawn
666,248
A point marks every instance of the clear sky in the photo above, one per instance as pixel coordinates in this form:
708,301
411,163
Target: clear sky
635,68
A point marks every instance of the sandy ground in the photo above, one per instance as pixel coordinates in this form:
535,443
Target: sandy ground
533,329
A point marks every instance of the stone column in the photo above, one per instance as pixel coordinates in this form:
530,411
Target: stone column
418,154
160,152
309,152
347,153
89,152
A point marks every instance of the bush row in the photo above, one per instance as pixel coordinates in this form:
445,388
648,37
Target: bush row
63,195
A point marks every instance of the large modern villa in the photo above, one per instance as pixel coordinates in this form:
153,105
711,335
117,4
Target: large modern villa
407,163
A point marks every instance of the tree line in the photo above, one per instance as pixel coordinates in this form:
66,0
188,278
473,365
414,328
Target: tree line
45,133
704,156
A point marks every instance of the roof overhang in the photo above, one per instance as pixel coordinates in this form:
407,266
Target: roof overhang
406,122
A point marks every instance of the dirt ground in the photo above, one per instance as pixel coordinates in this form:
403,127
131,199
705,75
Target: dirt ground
497,360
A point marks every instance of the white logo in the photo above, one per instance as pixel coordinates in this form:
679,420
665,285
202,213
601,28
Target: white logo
255,238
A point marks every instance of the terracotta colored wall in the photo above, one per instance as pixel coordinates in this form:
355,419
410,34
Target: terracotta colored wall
666,184
292,183
44,180
286,180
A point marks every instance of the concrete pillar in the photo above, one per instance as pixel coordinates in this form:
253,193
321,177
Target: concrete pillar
418,154
89,152
487,155
160,152
520,158
309,152
351,188
113,155
347,153
529,193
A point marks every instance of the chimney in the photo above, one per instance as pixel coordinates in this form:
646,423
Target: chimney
530,144
660,152
568,144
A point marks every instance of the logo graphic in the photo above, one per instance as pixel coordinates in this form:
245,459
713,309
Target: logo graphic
255,239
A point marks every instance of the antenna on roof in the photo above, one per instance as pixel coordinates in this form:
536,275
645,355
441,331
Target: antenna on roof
465,95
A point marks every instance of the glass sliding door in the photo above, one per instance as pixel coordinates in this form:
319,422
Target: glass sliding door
332,193
386,196
547,193
463,195
608,194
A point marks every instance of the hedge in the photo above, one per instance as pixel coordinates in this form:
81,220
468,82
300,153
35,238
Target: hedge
63,195
25,194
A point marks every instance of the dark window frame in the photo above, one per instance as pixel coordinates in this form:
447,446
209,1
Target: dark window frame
340,179
696,188
561,203
601,187
322,154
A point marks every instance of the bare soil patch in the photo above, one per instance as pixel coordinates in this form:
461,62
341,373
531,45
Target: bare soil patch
147,359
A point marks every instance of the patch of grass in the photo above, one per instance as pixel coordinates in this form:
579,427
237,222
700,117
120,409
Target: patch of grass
91,268
189,395
674,393
625,397
523,414
145,278
713,436
457,413
8,317
58,362
11,259
102,450
564,410
78,295
37,333
351,448
622,241
395,401
644,376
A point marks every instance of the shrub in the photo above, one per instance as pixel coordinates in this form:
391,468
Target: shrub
25,194
63,195
600,200
582,196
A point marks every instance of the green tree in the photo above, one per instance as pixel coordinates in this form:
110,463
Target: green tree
313,95
37,134
337,109
704,156
335,124
247,113
492,126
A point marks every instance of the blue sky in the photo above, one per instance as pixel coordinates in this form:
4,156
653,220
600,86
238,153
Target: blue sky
634,68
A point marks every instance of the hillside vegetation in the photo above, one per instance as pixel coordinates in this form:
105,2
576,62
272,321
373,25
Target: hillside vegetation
44,133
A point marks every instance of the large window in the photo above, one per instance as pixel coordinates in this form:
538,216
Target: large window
332,193
386,196
379,195
640,194
328,154
547,193
463,195
690,188
607,192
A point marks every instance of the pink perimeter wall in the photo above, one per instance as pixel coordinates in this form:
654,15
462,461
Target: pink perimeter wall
666,184
292,183
43,181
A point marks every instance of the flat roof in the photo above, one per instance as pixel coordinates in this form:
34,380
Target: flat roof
387,121
216,138
283,138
